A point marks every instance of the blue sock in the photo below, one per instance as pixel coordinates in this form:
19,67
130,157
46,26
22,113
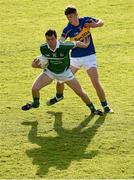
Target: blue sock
104,103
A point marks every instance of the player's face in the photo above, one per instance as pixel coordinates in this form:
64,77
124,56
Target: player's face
73,19
52,41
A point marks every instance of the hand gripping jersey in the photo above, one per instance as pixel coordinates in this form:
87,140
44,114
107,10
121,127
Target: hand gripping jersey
78,33
59,59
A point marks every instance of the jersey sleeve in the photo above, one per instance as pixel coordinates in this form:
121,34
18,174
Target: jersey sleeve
69,45
41,49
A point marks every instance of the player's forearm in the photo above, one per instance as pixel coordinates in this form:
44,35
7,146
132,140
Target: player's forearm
61,39
95,23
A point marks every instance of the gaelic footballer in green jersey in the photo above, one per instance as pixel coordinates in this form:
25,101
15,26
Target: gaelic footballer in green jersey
58,68
58,59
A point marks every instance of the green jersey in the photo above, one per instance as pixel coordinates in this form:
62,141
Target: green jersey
59,59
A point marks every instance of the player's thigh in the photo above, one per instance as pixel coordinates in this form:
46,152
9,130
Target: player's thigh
74,85
73,69
41,81
93,74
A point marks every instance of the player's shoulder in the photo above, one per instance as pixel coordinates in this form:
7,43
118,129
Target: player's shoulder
67,27
66,30
43,46
85,18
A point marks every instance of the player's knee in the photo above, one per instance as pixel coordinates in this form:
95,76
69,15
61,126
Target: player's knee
81,93
60,84
97,84
35,88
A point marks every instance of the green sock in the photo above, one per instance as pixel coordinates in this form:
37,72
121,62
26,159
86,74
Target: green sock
91,107
36,102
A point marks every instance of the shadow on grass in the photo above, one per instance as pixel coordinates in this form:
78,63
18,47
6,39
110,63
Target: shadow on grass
69,145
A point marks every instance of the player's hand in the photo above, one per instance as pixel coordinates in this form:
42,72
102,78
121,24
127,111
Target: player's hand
36,63
86,41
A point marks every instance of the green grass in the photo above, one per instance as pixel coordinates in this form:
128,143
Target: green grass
63,141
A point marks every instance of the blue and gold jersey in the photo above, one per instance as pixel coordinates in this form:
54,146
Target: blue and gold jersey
78,33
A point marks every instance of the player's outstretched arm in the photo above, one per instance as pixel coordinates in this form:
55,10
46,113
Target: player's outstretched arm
62,39
95,23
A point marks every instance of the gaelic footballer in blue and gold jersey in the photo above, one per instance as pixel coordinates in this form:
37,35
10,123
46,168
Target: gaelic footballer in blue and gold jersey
79,29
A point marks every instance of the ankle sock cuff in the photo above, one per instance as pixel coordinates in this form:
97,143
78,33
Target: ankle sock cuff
59,95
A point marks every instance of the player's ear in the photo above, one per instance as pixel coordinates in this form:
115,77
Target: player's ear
76,14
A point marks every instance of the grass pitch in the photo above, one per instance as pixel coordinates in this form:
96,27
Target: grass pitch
64,141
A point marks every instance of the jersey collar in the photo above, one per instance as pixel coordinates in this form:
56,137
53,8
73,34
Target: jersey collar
57,46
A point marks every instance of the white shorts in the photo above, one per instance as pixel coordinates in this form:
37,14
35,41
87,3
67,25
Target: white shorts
86,62
62,77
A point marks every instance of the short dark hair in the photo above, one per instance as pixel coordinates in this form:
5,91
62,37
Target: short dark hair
70,10
51,32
